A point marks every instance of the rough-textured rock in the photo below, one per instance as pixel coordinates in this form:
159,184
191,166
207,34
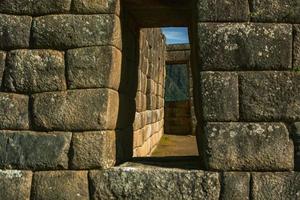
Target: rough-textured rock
77,110
296,135
94,67
54,185
14,31
270,96
34,7
2,65
14,112
275,11
93,150
229,46
96,6
280,185
31,71
248,146
297,48
72,31
220,96
132,183
236,186
34,150
15,184
223,10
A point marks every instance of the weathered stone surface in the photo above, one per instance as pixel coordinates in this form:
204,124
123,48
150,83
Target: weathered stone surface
220,96
94,67
154,183
14,111
73,31
297,48
236,186
93,150
96,6
54,185
34,150
280,185
248,146
244,46
296,135
270,96
34,7
224,10
15,184
77,110
2,65
31,71
275,11
14,31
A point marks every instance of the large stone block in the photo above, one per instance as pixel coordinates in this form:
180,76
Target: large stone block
2,64
94,67
34,150
15,184
275,11
14,31
270,96
236,186
73,31
14,112
34,7
96,6
154,183
248,146
93,150
280,185
76,110
54,185
224,10
247,46
32,71
297,48
219,96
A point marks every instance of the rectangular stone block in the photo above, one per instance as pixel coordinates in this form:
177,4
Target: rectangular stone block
224,10
278,185
244,46
219,96
73,31
34,7
270,96
93,150
96,6
14,112
15,184
76,110
236,186
275,11
2,64
94,67
248,147
154,183
14,31
34,150
33,71
60,185
296,48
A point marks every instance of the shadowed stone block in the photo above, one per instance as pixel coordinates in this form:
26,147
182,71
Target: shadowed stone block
54,185
96,6
236,186
154,183
270,96
94,150
34,7
275,11
223,10
34,150
280,185
72,31
220,96
246,46
297,47
76,110
32,71
15,184
296,136
94,67
14,31
248,146
14,111
2,65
